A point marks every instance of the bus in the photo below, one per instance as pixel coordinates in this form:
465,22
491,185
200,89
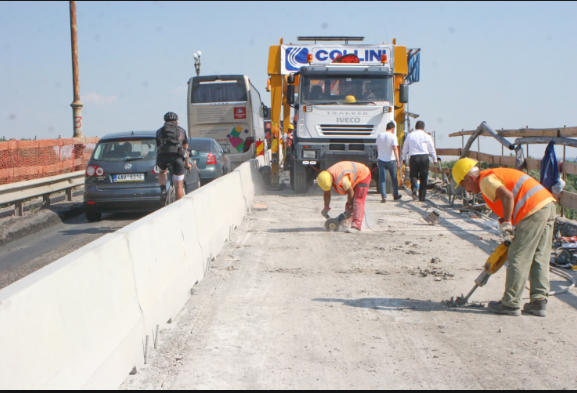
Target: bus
229,109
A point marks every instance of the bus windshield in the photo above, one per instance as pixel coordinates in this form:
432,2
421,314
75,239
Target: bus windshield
219,91
334,89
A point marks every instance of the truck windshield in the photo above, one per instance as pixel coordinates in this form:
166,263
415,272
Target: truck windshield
334,89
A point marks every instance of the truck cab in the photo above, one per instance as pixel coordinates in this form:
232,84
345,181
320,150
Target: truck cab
341,110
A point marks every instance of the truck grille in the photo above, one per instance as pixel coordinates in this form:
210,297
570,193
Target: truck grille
346,130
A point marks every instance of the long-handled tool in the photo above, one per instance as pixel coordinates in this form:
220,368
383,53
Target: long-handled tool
495,262
333,224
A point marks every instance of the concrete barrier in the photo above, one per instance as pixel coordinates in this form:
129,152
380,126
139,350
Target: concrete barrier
75,323
82,321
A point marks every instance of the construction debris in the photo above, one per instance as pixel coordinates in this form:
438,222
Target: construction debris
437,272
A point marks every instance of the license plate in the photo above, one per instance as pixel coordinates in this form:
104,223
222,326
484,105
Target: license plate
129,177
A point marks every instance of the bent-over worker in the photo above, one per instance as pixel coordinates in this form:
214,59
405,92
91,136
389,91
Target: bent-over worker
351,179
522,201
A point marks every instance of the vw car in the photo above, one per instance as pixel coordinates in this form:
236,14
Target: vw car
211,159
122,175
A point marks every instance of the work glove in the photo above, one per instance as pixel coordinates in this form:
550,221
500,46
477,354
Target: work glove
325,212
506,230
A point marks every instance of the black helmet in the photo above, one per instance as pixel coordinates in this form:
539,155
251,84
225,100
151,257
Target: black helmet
170,116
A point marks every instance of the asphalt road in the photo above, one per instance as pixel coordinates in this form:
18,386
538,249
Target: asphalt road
24,256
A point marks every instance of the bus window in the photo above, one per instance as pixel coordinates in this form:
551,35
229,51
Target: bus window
222,91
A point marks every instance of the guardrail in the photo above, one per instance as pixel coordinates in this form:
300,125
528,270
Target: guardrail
16,193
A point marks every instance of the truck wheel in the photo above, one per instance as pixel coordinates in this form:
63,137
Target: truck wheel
300,182
292,177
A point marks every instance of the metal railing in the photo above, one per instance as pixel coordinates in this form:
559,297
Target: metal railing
17,193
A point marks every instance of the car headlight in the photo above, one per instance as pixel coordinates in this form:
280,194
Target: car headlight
309,154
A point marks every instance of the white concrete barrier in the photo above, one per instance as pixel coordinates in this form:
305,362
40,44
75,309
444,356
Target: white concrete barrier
82,321
75,323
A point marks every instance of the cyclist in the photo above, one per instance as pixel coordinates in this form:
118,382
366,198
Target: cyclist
172,147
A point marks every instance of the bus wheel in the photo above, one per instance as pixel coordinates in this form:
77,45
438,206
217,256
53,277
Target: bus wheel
300,181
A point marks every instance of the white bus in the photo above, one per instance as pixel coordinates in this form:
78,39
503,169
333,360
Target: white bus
227,108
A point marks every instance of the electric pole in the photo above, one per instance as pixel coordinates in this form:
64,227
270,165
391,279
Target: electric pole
76,104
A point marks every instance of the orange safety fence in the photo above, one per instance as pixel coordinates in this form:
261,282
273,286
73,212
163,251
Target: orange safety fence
28,160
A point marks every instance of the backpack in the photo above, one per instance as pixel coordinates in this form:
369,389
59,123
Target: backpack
169,142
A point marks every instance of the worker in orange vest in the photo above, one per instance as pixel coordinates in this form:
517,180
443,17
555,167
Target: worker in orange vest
351,179
522,202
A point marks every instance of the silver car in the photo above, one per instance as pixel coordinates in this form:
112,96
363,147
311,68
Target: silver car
211,159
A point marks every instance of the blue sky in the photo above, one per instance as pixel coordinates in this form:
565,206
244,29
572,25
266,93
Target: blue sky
511,64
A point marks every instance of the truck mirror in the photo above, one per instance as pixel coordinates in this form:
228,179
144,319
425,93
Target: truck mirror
404,94
291,79
290,94
264,111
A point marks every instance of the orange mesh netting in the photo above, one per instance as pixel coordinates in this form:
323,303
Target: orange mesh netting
27,160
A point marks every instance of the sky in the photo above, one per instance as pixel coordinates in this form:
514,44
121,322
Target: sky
510,64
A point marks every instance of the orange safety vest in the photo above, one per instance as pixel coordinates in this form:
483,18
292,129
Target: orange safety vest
527,192
357,172
290,140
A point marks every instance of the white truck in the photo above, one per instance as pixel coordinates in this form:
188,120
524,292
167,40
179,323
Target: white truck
346,96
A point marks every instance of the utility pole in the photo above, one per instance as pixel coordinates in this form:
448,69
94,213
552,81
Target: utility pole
76,104
197,62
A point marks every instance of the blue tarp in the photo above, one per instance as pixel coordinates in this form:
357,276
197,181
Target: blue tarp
549,167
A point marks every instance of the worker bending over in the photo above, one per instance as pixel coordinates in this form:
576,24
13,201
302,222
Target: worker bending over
352,179
522,201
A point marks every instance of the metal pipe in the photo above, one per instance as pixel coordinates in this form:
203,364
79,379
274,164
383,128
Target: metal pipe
76,104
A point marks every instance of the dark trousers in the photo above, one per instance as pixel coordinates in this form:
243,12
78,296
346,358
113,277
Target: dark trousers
419,166
391,167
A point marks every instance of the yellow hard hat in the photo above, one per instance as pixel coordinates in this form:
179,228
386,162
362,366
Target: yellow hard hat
325,180
291,127
350,100
461,168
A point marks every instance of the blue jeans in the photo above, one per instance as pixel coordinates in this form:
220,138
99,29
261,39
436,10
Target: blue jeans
391,167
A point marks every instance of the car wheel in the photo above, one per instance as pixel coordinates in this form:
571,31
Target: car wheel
93,216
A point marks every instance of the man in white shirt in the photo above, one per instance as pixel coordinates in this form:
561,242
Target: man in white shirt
388,161
419,146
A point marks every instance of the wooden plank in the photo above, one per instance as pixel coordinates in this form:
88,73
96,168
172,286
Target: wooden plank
533,164
449,152
509,161
567,132
483,157
568,199
569,167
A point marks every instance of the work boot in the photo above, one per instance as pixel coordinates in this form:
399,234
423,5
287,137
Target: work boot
384,200
415,194
537,307
500,308
353,230
397,197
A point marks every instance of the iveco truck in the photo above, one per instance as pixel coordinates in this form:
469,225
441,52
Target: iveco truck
343,97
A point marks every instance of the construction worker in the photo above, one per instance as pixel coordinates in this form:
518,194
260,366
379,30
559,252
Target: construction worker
288,141
351,179
419,146
520,201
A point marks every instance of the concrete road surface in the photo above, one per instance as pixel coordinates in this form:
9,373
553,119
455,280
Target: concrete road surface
287,305
24,256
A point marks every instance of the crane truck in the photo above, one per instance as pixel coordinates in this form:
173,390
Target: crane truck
343,96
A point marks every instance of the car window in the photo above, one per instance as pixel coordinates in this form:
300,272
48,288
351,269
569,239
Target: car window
216,147
122,149
199,144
